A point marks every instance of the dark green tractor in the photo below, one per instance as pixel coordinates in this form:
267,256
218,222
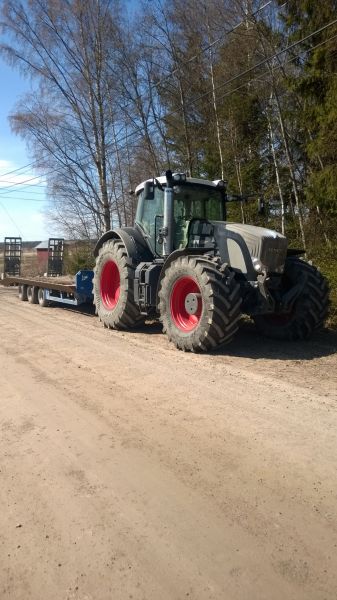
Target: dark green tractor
184,263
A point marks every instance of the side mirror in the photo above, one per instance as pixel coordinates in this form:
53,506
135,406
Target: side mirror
149,190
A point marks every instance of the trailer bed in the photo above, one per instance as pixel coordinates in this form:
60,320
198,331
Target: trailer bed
61,284
43,290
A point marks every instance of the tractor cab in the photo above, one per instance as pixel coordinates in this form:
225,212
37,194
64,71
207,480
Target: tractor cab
174,211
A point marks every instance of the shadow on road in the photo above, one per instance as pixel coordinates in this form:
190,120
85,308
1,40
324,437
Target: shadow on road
84,309
249,344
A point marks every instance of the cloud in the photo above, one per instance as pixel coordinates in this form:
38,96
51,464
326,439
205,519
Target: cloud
6,165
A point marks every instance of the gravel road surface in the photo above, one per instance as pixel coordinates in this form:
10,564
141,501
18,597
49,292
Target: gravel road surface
130,470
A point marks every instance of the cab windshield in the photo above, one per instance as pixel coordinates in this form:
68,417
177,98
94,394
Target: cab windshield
191,201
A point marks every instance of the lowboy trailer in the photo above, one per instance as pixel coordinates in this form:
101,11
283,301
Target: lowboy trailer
47,290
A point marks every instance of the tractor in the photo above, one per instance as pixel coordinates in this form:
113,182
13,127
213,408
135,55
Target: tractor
182,261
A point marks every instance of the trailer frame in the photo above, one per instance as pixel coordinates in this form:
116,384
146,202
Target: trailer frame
55,291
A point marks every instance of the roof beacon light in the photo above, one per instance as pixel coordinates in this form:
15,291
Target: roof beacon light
179,177
220,183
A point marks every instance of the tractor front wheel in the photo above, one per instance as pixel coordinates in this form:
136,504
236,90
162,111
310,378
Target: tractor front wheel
114,287
199,305
309,310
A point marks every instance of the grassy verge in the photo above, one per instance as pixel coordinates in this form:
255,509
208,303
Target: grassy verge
327,262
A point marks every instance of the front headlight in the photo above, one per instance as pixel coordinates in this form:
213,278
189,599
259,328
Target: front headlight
257,264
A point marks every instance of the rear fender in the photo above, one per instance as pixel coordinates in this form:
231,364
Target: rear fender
135,246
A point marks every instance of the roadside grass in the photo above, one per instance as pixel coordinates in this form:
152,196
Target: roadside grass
328,266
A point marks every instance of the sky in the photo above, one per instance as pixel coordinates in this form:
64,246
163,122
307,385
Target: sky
21,204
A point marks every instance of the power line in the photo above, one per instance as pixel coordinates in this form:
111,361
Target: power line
23,182
19,169
276,55
267,72
16,199
223,84
238,76
24,191
11,219
202,51
155,85
15,182
279,66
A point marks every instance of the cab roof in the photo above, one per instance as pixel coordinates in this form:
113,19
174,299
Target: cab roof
162,180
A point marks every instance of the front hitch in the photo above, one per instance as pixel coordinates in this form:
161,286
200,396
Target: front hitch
272,300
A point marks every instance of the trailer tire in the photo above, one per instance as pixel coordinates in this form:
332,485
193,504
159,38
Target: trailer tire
199,304
32,291
113,287
41,297
23,293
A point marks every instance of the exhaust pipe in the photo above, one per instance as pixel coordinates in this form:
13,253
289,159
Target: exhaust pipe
168,224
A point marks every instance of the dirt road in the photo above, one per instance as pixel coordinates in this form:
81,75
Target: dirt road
130,470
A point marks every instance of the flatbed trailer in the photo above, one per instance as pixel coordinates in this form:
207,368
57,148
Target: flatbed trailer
46,290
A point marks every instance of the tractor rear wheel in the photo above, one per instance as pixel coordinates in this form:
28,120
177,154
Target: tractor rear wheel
309,310
199,305
113,287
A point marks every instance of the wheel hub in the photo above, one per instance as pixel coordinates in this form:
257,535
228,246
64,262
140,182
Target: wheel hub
191,303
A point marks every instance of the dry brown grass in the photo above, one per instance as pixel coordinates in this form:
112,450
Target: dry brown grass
28,263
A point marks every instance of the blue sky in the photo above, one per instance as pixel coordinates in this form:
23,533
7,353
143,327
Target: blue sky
21,204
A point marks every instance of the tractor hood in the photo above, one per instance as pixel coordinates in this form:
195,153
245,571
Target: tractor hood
267,246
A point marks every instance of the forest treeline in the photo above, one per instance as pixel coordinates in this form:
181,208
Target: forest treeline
242,90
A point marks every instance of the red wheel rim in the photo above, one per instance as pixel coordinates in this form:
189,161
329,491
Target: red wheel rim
182,319
110,285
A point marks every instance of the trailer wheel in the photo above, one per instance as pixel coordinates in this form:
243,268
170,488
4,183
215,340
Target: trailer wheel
113,287
32,291
199,305
23,293
309,310
41,297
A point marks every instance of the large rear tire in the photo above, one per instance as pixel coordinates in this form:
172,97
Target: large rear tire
309,310
113,286
199,305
